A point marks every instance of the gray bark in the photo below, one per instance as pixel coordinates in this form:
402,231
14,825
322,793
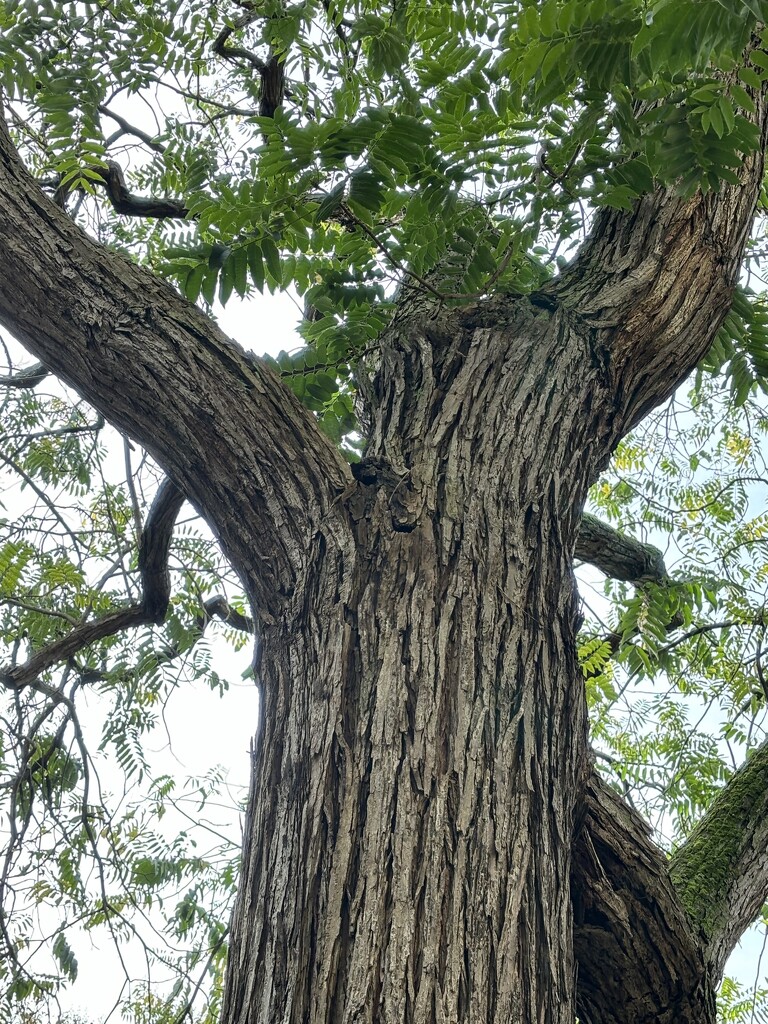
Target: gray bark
640,956
617,555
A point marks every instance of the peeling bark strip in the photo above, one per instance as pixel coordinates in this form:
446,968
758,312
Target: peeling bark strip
412,831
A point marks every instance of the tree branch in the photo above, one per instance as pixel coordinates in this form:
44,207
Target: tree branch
655,283
29,377
164,373
624,906
617,555
238,53
127,128
271,72
721,870
154,548
131,205
218,607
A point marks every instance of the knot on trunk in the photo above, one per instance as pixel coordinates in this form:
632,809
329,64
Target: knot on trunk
398,487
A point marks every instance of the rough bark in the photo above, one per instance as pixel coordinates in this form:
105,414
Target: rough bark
416,787
410,859
639,955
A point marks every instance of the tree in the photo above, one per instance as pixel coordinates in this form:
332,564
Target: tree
426,838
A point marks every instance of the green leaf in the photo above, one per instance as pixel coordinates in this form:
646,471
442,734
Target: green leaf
65,956
240,270
366,189
208,286
256,265
742,97
272,259
331,203
750,77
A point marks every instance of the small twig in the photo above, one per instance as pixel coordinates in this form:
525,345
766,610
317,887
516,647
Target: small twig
128,129
392,259
137,523
43,497
186,1010
15,603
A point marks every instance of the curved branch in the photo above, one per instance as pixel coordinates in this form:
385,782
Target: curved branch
238,53
153,565
131,205
154,548
721,871
164,373
126,128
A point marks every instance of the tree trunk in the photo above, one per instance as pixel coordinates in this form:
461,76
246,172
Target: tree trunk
424,734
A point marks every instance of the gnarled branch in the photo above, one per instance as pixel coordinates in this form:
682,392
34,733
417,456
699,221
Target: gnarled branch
271,72
131,205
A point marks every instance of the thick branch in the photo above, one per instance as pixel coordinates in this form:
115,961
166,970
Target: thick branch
29,377
654,284
638,958
721,871
131,205
161,371
222,48
617,555
153,565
